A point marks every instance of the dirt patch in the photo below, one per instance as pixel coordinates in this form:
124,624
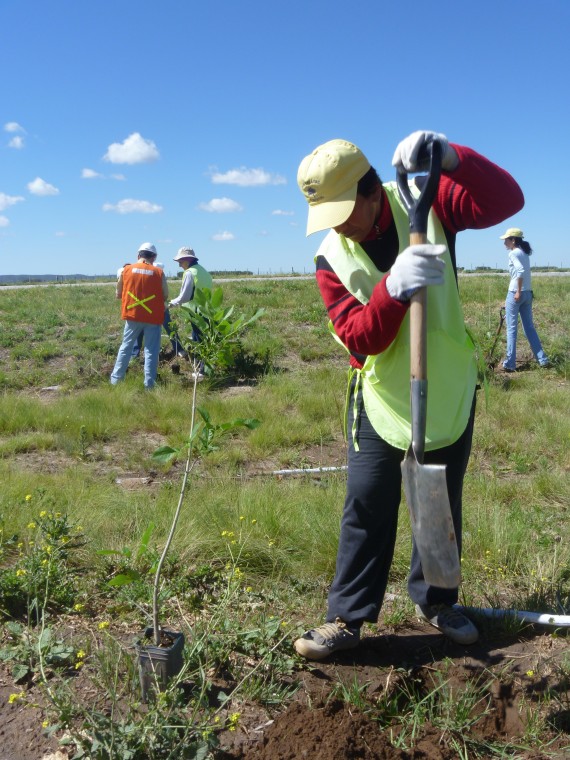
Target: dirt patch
512,676
320,722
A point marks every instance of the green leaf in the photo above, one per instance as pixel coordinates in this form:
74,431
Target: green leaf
217,297
164,454
123,579
108,552
143,548
19,671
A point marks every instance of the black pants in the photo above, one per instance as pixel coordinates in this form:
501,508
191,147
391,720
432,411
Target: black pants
370,519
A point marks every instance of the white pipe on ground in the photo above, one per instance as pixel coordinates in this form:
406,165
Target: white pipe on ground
534,618
309,470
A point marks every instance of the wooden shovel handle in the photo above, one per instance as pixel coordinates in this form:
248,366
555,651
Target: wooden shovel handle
418,324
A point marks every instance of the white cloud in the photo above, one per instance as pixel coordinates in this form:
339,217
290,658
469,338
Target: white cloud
9,200
60,234
4,221
90,174
120,177
13,126
132,206
134,150
223,236
16,142
280,212
247,178
40,187
220,206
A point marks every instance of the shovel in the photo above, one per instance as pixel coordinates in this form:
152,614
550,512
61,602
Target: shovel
424,484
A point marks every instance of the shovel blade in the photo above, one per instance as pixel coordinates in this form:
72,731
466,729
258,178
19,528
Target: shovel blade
432,525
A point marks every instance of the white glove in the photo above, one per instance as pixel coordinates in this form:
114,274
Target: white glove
406,154
416,267
171,305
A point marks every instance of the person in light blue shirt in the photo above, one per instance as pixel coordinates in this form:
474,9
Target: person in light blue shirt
519,300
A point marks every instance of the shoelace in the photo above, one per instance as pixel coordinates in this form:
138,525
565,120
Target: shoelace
329,630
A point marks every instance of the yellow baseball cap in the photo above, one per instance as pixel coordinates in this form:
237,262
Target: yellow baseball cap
328,178
512,232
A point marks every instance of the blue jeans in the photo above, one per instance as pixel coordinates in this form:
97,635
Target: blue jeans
169,330
151,334
523,307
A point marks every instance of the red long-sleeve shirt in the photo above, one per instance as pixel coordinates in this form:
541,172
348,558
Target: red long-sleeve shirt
477,194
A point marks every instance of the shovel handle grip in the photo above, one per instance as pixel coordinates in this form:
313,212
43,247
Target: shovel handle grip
418,324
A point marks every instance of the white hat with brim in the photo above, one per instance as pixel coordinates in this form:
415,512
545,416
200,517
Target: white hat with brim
185,253
328,178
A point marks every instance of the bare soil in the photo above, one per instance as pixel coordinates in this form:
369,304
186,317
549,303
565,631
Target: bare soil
319,725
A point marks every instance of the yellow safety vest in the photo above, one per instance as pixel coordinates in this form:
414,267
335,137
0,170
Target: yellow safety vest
385,377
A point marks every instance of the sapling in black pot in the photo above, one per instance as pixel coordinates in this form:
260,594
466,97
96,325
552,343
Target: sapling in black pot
160,652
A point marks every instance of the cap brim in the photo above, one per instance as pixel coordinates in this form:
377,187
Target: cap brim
323,216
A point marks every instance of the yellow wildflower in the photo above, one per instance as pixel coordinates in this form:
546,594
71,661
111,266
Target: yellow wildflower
248,590
530,673
79,665
20,571
28,497
78,607
31,525
233,721
16,697
81,655
43,513
45,723
103,625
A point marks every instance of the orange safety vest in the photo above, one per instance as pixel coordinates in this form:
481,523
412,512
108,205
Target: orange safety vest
142,297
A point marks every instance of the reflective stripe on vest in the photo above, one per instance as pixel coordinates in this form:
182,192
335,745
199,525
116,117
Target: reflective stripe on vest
385,378
138,302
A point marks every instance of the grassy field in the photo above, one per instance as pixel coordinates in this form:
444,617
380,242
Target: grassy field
251,547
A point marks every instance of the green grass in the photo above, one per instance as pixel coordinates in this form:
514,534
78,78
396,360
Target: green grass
77,446
81,438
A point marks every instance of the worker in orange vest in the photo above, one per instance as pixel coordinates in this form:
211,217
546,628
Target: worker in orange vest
143,291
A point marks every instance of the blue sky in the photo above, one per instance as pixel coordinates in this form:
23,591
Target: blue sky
183,123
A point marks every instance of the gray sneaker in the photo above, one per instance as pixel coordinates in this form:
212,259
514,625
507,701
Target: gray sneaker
450,622
320,642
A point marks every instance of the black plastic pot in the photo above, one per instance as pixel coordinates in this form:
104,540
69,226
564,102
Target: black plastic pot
158,664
